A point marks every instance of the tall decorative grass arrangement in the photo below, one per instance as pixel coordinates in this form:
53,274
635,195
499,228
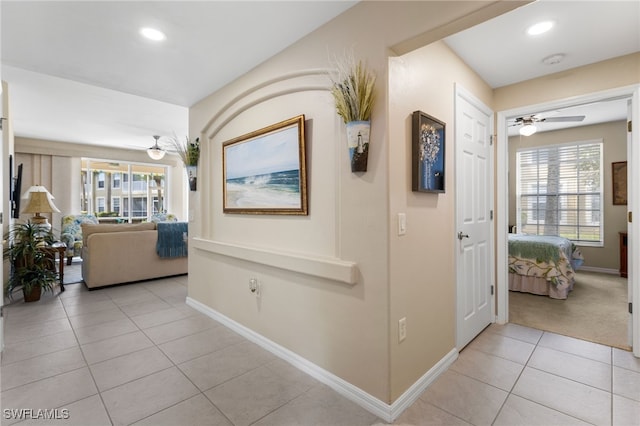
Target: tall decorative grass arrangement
188,151
353,90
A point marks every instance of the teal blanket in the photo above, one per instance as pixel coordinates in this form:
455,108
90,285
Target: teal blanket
172,239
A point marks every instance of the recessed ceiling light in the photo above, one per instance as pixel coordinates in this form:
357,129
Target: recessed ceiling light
539,28
152,34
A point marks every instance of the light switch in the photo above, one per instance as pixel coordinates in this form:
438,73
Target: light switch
402,223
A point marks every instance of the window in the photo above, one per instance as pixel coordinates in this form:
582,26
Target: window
139,183
127,191
115,205
559,191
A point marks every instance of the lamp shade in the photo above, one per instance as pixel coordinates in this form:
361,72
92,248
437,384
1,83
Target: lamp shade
40,202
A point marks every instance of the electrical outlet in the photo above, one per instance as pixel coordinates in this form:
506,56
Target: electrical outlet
402,329
255,287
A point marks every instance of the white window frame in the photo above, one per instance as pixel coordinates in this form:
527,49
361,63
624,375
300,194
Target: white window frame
100,200
113,204
562,212
116,183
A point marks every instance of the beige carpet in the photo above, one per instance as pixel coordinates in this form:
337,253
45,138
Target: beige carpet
596,310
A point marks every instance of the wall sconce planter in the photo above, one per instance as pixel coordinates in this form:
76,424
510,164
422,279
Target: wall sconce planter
354,95
189,153
358,142
192,174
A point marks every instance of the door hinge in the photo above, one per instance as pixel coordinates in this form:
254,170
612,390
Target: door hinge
490,214
630,308
630,217
492,290
491,140
1,311
629,126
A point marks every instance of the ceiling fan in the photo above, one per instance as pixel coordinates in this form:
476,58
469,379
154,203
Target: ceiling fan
528,122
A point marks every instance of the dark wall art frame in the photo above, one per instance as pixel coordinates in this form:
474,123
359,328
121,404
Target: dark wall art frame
428,149
619,180
264,172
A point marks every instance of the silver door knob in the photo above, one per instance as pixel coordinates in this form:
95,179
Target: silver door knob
461,235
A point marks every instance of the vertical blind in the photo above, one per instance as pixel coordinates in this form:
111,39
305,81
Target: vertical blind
559,191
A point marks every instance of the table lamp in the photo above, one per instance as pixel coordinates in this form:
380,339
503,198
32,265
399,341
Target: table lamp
40,201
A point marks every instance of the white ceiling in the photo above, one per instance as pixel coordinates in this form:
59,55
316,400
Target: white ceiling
78,71
585,32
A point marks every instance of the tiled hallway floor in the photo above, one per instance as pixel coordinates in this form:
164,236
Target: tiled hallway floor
137,354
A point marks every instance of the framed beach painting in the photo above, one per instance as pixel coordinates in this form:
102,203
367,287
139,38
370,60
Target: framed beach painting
427,153
264,171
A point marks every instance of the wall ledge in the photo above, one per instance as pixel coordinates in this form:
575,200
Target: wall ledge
329,268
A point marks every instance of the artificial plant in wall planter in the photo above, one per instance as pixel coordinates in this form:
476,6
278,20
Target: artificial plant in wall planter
189,152
353,93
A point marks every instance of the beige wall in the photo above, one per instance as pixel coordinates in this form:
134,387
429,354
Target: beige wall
602,76
614,73
614,138
422,262
349,330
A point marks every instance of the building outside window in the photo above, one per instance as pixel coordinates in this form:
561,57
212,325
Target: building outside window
115,205
100,204
122,191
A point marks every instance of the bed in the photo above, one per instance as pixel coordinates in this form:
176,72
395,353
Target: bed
542,264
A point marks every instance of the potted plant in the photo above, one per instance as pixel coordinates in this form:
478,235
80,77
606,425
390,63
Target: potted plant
33,269
354,96
189,152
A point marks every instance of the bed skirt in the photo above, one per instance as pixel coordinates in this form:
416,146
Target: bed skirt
537,285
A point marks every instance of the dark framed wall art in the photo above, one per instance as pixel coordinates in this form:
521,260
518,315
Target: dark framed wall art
619,178
428,146
264,172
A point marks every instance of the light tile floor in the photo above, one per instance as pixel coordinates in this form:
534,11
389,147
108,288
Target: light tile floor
137,354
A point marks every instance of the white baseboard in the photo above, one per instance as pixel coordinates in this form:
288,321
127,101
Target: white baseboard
600,270
410,395
370,403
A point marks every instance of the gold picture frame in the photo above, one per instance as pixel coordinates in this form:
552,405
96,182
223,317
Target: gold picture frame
619,179
264,172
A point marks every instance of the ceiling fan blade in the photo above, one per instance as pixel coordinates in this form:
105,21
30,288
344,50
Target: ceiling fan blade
563,119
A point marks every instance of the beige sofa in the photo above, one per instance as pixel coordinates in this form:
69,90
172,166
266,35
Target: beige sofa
123,253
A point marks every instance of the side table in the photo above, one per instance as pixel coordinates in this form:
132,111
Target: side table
60,249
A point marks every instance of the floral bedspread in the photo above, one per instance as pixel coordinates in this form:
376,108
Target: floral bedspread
553,258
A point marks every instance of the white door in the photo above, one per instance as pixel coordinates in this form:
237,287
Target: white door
474,221
629,204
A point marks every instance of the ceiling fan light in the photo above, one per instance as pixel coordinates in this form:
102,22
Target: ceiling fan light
155,152
528,130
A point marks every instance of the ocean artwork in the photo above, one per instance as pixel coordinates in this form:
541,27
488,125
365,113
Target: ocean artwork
264,171
269,190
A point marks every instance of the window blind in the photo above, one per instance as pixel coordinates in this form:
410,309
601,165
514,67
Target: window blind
559,191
